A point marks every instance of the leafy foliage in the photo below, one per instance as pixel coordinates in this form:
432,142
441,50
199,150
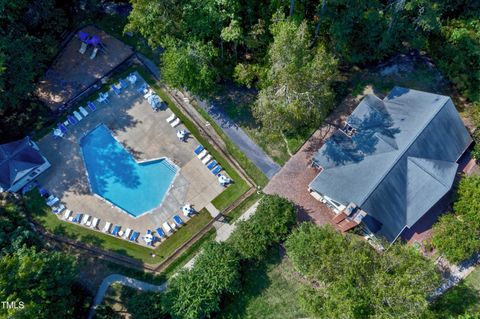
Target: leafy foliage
270,224
460,35
457,235
196,293
190,66
297,89
15,231
41,280
28,40
348,279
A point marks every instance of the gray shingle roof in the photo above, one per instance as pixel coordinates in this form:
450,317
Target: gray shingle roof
17,159
399,163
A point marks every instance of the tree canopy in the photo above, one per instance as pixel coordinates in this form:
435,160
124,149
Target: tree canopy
457,235
271,223
41,280
348,279
297,88
196,293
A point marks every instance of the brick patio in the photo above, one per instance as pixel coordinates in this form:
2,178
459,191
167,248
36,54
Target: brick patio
146,135
292,180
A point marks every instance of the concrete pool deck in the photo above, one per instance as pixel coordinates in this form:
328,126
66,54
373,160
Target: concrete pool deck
146,135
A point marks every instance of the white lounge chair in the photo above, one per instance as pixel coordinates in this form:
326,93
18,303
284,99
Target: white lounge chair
94,223
175,123
207,159
202,154
83,48
107,226
148,94
167,227
85,219
171,118
94,53
77,115
67,214
128,231
83,111
52,200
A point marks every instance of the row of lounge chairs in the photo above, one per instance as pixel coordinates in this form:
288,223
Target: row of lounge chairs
78,115
128,234
165,230
207,160
173,120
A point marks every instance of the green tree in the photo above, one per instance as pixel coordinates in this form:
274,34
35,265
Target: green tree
41,280
190,66
146,305
456,237
460,35
15,230
348,279
271,223
297,89
196,293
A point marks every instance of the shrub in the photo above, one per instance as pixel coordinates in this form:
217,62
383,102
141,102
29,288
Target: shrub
270,224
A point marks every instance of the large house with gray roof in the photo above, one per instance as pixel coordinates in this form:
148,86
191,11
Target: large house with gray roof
20,163
394,159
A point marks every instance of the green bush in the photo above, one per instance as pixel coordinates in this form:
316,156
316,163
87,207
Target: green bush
456,235
271,223
196,293
457,53
346,278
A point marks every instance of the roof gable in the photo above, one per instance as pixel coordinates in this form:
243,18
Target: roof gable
17,159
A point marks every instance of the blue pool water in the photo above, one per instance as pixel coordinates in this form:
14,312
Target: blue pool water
116,176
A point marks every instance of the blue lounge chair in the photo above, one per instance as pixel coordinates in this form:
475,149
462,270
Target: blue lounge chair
77,218
161,233
115,230
116,90
216,170
123,84
134,236
212,164
72,120
91,106
44,193
62,128
199,149
142,88
178,220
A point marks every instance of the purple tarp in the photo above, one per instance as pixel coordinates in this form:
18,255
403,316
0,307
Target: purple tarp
83,36
95,40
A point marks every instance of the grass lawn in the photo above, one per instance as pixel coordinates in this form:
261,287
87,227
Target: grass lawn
268,290
41,213
243,207
464,298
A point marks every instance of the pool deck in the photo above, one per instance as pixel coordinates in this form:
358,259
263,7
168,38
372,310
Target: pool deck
146,135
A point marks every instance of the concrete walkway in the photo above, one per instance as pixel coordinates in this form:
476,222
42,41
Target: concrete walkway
242,140
126,281
224,230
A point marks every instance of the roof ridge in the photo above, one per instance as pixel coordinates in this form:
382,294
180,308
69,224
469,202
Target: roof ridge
403,152
413,159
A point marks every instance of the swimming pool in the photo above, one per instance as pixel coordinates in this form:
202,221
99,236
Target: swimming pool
114,174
